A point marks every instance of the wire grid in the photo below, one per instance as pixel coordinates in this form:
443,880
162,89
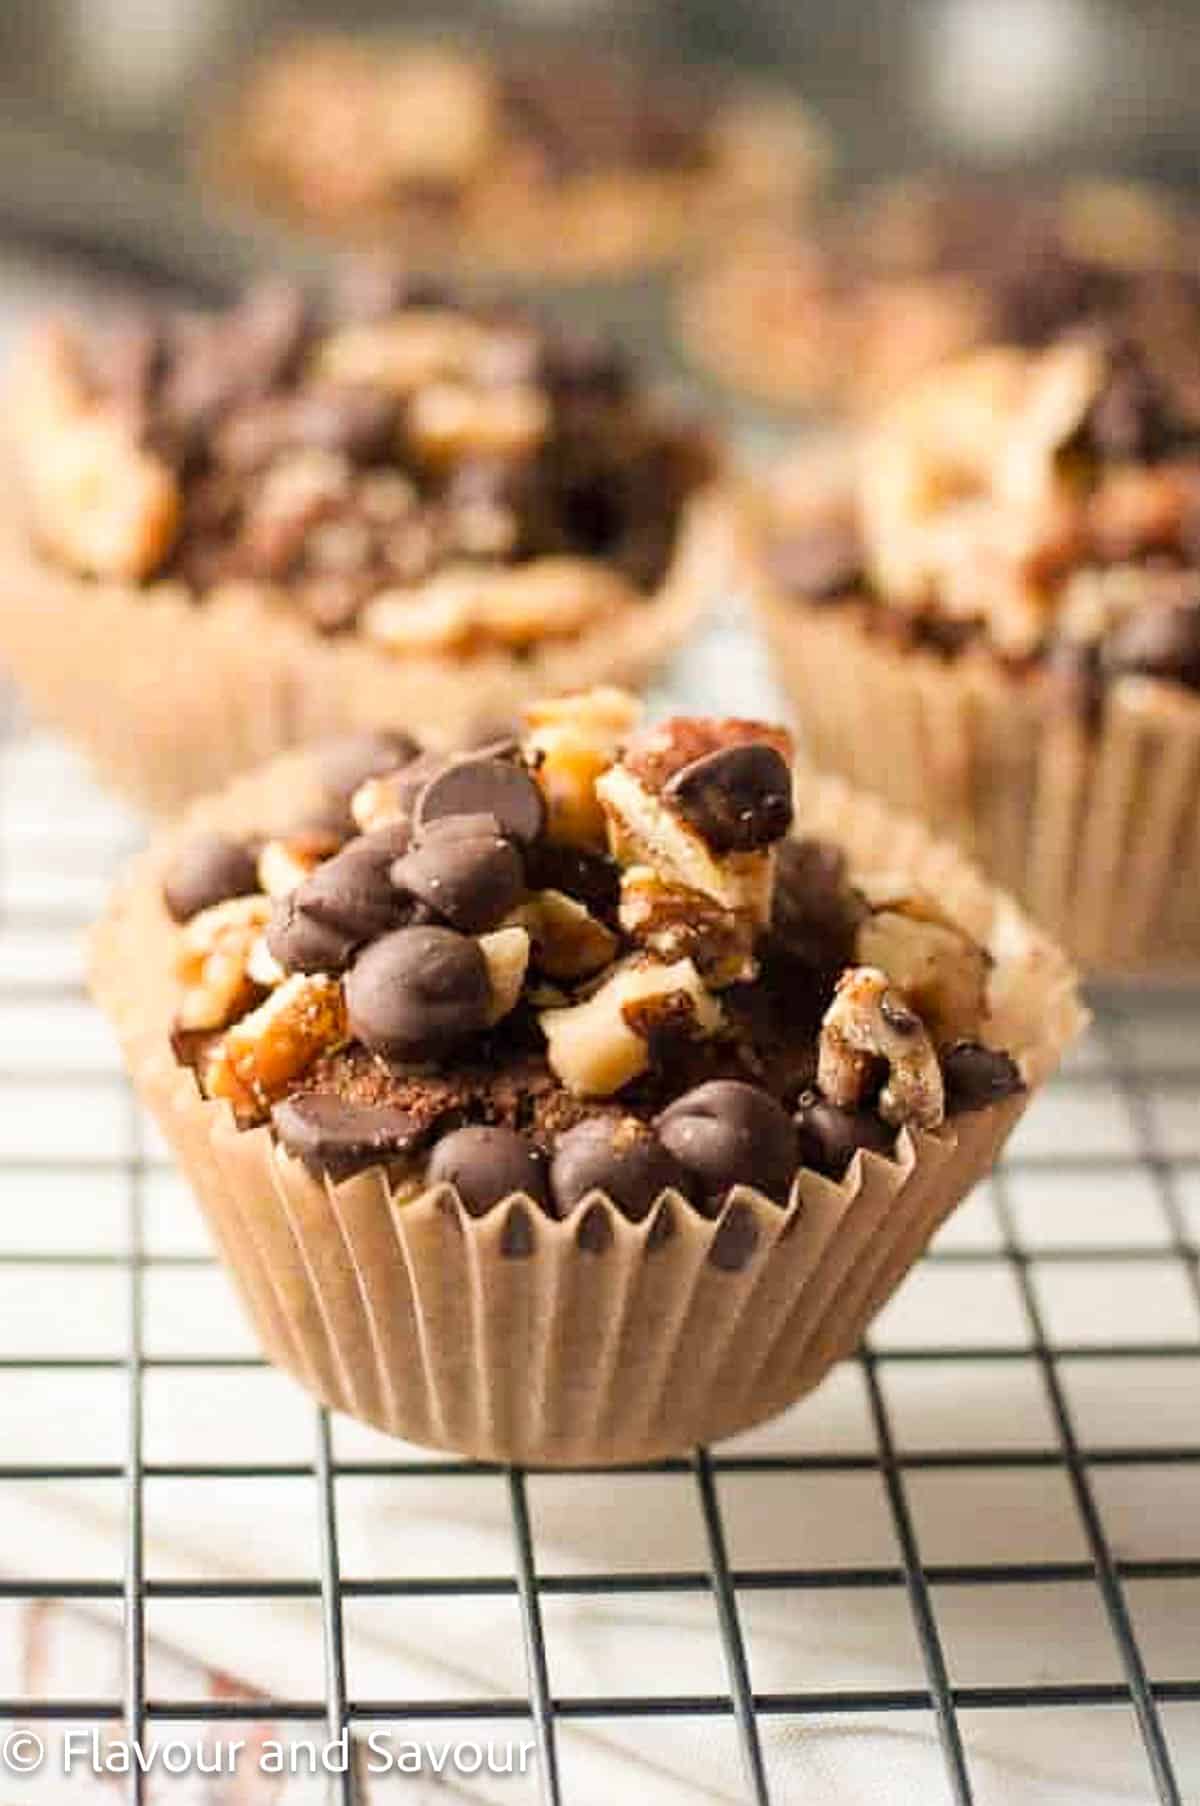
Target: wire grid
1142,1057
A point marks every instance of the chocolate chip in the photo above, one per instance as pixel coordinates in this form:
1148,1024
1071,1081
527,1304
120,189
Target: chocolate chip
830,1137
619,1156
976,1076
1162,642
729,1133
737,799
333,1136
467,872
345,763
820,564
418,991
345,903
483,786
208,869
486,1164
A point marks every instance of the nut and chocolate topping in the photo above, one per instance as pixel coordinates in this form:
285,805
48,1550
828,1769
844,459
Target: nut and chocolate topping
1040,508
427,479
711,1007
453,152
870,297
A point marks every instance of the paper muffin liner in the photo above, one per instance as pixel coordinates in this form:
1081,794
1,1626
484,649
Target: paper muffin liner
1095,828
594,1339
169,697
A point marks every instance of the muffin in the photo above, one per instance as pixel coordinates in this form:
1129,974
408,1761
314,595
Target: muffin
578,1097
993,619
531,161
846,311
230,533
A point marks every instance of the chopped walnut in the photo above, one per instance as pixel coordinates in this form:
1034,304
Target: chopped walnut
285,862
448,422
98,501
213,961
571,741
408,351
870,1023
506,953
568,941
463,606
673,923
258,1058
940,969
597,1046
644,830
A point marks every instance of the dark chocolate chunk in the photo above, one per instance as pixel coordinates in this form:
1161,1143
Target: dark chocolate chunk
347,762
345,903
486,786
813,910
1162,642
332,1136
208,869
728,1133
417,992
976,1076
485,1164
617,1155
830,1136
737,799
465,871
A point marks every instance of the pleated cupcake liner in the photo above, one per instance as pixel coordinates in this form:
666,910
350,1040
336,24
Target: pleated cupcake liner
1094,827
169,698
517,1337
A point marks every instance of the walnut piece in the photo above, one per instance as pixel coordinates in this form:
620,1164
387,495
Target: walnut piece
934,961
597,1046
257,1059
466,606
450,421
213,960
506,954
570,742
673,923
642,830
568,941
868,1022
285,862
406,352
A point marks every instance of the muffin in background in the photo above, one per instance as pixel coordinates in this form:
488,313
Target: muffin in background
535,160
991,616
844,309
225,534
559,1103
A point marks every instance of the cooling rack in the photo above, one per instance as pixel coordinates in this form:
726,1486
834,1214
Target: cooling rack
1011,1492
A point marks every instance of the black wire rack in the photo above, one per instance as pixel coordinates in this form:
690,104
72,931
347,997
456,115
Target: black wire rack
1139,1071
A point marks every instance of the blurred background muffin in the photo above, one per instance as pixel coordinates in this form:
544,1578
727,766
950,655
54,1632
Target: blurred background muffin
844,311
533,159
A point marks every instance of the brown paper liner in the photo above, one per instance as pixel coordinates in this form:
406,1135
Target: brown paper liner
170,698
1095,830
595,1339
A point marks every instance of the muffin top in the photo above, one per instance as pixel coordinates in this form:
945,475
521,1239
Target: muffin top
923,269
586,956
452,150
435,475
1039,507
